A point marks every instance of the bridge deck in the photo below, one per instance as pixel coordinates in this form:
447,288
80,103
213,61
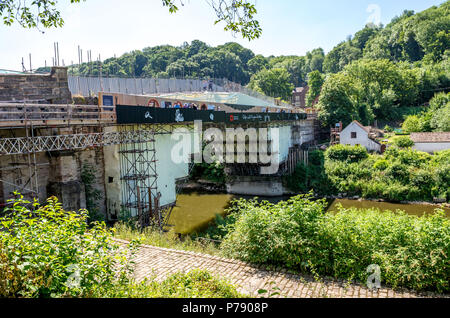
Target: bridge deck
47,115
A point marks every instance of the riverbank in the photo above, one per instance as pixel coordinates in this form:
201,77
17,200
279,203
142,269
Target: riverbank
220,188
197,210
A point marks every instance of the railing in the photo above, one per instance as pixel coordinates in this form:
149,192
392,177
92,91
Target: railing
12,115
90,86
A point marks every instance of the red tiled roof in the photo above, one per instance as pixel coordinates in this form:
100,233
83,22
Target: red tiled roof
431,137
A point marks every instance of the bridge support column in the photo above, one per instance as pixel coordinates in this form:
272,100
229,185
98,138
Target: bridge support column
65,181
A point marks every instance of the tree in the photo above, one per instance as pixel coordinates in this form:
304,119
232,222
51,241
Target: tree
238,15
335,104
315,82
274,82
340,56
257,63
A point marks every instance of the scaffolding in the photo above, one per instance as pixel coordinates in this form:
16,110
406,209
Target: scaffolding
23,167
139,179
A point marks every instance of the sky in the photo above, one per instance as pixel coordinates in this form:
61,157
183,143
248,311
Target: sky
114,27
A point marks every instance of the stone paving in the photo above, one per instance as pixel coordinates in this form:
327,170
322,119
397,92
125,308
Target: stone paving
155,262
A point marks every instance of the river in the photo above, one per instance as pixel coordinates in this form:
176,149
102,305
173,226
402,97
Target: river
196,210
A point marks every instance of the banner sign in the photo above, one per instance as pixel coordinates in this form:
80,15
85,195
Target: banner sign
152,115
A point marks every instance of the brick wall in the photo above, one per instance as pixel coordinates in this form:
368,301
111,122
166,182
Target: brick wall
50,88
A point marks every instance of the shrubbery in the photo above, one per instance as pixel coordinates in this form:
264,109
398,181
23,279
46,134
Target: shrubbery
195,284
411,251
346,153
400,174
435,118
403,142
49,252
212,172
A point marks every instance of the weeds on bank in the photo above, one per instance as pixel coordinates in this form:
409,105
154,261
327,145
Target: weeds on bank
155,237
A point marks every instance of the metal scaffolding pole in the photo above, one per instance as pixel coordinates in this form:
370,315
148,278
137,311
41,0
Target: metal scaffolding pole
139,178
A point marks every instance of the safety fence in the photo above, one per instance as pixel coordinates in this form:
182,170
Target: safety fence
90,86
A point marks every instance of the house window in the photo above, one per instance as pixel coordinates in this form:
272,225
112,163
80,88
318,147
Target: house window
354,136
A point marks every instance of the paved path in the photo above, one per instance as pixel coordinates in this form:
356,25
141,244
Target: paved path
160,262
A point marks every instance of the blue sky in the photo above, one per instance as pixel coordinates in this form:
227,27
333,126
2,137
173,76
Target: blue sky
109,27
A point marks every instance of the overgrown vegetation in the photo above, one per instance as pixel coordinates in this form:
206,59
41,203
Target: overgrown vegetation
195,284
400,174
298,234
403,142
214,172
49,252
171,240
93,195
435,119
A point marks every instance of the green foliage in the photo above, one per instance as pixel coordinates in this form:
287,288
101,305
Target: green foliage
315,82
209,171
170,240
397,175
335,104
403,142
413,37
238,15
350,50
274,82
436,118
411,251
92,194
195,284
310,177
346,153
412,124
32,15
49,252
378,78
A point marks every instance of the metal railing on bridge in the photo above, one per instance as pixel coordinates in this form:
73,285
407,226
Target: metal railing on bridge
90,86
35,115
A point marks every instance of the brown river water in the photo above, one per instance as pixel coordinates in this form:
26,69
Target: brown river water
196,210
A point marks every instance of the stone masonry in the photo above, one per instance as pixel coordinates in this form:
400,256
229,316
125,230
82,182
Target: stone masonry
46,88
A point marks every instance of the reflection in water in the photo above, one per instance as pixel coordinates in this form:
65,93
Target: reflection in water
195,210
413,209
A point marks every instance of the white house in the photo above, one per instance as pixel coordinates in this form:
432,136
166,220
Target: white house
431,142
356,134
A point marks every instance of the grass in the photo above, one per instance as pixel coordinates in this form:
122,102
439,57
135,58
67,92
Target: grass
169,240
195,284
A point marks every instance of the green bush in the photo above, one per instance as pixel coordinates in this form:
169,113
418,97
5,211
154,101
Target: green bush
49,252
195,284
346,153
412,124
213,172
399,174
403,142
411,251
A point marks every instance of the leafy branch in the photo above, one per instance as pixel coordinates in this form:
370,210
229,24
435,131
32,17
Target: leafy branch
239,15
